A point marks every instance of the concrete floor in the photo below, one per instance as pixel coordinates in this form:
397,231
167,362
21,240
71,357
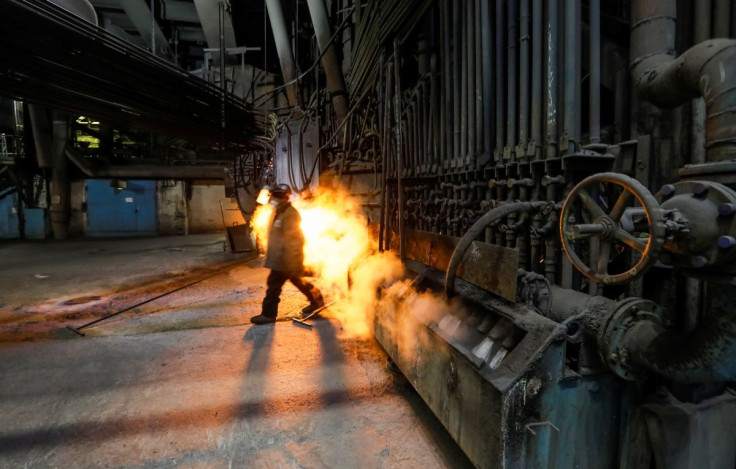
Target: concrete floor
185,380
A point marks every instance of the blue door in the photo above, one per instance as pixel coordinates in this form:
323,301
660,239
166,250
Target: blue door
121,212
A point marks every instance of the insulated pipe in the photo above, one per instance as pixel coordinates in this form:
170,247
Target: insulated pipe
479,133
572,75
479,227
536,132
523,74
283,47
333,73
457,54
595,71
707,70
511,67
147,171
499,82
552,82
704,355
701,32
464,66
487,44
470,81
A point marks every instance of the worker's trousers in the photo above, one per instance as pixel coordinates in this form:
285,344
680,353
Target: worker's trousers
275,283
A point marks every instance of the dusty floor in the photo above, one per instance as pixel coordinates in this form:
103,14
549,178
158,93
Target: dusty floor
185,380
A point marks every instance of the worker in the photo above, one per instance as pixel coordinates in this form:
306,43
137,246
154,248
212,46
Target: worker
285,257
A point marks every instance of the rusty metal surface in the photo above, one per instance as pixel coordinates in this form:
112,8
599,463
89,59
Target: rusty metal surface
488,266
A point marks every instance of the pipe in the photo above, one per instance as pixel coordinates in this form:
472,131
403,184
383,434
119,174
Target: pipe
333,73
511,67
704,355
552,34
594,78
478,95
536,132
707,70
464,65
701,32
486,41
479,227
447,114
283,47
572,74
456,53
399,144
147,171
470,81
499,83
721,18
523,76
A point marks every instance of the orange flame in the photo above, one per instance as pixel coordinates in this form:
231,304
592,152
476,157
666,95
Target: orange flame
338,242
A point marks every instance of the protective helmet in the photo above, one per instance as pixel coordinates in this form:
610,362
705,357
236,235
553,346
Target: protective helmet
281,191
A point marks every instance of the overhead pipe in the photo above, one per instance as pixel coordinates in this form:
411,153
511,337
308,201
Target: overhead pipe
706,70
147,171
333,72
500,98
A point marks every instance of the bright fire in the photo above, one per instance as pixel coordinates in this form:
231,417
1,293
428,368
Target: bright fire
337,241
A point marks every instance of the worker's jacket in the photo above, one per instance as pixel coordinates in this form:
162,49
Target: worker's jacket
286,241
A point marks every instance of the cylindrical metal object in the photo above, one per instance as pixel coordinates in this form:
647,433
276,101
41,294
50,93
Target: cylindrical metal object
399,144
552,81
333,73
523,73
511,67
572,73
283,47
456,77
595,71
499,68
537,103
487,67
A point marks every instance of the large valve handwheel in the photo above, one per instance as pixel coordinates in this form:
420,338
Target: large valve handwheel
602,200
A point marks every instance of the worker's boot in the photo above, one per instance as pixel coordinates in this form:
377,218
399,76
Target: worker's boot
315,302
269,310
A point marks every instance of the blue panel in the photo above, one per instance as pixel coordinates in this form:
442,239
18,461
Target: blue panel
121,212
8,218
10,225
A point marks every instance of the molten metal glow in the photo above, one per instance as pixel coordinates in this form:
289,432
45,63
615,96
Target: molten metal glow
337,242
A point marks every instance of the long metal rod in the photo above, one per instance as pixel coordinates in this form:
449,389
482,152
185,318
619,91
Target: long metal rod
511,67
464,65
283,48
487,57
572,75
499,69
470,81
456,83
595,71
399,143
446,82
479,133
552,82
537,103
523,73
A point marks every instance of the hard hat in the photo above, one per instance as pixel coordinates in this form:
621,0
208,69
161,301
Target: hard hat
280,191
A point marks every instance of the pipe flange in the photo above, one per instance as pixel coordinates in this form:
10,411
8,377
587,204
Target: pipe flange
613,334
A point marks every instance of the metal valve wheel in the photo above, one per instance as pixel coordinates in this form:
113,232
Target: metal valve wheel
602,201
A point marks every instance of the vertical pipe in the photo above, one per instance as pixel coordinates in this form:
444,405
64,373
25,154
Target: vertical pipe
572,75
479,133
153,27
464,65
537,33
223,84
552,34
511,67
722,18
701,32
500,115
456,34
447,128
283,47
333,73
399,143
60,185
486,40
595,71
470,82
523,75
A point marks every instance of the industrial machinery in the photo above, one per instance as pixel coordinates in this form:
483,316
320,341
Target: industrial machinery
562,171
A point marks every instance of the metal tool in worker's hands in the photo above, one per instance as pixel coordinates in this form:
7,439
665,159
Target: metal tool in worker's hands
303,320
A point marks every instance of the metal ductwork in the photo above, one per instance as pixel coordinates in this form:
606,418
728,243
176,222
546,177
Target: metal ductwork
81,8
706,70
148,171
333,73
283,46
